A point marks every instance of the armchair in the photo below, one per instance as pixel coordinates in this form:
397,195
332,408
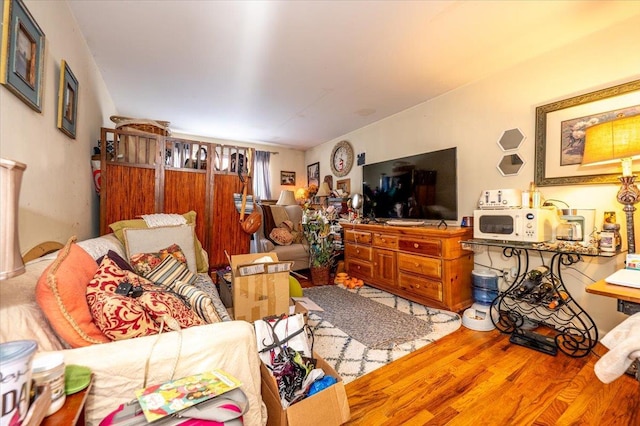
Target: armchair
298,252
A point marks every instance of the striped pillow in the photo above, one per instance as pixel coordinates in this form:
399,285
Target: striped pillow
170,270
175,276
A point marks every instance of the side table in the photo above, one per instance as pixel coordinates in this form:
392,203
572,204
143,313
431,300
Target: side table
73,410
628,297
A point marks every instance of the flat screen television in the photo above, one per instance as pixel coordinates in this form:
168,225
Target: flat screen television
422,186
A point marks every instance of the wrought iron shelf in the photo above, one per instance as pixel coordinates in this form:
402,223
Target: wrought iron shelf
547,303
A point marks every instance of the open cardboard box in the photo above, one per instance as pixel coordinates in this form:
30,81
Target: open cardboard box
329,407
294,308
259,289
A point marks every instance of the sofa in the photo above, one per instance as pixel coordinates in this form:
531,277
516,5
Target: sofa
273,216
118,367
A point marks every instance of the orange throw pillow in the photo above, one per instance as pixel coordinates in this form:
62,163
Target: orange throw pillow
61,294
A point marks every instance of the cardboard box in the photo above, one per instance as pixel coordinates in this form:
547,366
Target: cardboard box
260,294
329,407
298,308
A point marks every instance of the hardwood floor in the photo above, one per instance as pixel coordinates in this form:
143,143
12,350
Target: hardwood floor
479,378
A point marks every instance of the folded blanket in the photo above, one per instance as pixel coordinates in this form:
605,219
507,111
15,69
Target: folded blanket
163,219
624,344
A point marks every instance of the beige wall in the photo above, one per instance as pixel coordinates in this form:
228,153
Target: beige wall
473,119
57,198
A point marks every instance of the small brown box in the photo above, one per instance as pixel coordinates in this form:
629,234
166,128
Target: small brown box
259,289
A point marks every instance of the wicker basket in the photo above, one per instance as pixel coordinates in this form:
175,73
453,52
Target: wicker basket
156,127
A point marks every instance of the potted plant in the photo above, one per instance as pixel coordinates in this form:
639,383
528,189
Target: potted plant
317,231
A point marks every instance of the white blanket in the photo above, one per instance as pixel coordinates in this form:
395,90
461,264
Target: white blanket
624,347
118,367
163,219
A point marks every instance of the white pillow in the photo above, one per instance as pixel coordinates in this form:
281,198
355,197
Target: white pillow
152,240
98,247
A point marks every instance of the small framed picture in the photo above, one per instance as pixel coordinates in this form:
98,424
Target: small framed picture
67,101
23,44
313,174
287,178
344,185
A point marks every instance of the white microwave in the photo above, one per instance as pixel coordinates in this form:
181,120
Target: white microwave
526,225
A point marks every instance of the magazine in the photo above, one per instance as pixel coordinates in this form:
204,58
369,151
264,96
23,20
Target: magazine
164,399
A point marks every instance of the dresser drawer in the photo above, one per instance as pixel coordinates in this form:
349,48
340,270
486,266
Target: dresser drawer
358,252
420,265
385,241
357,236
359,269
421,246
421,287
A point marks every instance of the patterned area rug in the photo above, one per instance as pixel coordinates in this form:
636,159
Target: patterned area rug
352,358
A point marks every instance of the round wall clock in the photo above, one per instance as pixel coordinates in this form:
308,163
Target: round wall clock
341,158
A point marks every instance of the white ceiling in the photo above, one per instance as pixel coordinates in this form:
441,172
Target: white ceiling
300,73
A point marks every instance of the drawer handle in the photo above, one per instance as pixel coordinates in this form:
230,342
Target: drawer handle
416,245
358,251
417,265
383,240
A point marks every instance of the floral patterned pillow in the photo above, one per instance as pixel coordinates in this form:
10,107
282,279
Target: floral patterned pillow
144,263
123,317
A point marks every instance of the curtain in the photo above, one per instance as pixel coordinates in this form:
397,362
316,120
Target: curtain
261,176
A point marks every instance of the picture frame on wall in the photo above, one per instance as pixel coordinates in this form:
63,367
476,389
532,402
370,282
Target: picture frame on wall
67,101
22,58
560,130
344,185
313,174
287,178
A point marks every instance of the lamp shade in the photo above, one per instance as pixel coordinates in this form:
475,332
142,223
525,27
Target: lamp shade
287,198
10,180
612,141
324,190
301,194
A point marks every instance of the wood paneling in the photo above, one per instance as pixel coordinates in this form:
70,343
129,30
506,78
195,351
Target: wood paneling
471,377
185,191
131,190
138,178
226,231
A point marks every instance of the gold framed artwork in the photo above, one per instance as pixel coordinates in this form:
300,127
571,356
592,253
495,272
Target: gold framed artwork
560,130
22,54
344,185
67,101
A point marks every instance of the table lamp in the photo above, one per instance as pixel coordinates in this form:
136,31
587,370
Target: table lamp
287,198
11,263
613,141
301,195
323,192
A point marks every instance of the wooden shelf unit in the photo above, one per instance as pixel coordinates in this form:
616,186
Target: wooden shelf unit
420,263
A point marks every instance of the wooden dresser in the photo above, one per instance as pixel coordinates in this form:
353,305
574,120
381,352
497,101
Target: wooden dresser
420,263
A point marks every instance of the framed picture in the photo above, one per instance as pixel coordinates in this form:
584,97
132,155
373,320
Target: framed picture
22,58
287,178
560,130
67,101
344,185
313,174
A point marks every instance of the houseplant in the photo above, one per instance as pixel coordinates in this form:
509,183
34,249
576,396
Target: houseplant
317,231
